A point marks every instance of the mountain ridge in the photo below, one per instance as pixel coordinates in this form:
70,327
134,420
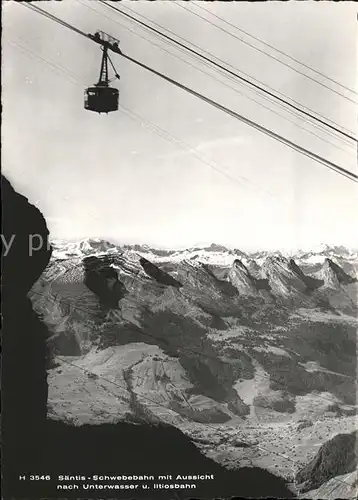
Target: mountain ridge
63,249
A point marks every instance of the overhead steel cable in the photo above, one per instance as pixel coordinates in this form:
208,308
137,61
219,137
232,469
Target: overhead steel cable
332,166
267,54
87,37
53,18
318,126
212,56
247,121
56,68
233,88
300,110
238,28
189,149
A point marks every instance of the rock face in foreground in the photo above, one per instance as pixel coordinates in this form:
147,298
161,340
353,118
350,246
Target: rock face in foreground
345,486
34,445
24,381
336,457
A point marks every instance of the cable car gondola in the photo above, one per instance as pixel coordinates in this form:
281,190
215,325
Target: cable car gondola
102,98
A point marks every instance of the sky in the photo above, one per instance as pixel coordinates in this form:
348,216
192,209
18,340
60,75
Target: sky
167,169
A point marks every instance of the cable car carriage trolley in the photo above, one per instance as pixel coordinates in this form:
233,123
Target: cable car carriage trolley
102,98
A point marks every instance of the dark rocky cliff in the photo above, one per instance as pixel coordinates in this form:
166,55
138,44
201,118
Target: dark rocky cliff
32,444
336,457
24,384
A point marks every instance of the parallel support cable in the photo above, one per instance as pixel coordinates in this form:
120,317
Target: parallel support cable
232,73
310,154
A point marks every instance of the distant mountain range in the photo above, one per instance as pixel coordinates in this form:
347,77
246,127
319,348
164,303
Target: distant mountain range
213,254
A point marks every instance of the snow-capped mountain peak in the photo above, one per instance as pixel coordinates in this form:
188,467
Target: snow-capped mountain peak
217,255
